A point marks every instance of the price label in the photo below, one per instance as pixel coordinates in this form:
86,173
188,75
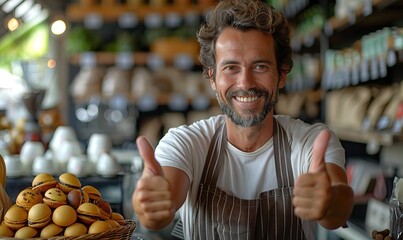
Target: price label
93,21
128,20
124,60
88,59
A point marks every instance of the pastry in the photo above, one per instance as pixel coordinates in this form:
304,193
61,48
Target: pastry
113,223
118,218
42,182
105,209
64,216
98,227
76,197
51,230
54,197
68,181
39,215
93,193
75,230
26,232
27,198
15,217
88,213
5,231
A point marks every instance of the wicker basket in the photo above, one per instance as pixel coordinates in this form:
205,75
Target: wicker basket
124,232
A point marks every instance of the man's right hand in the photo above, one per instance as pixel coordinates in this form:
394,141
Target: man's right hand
152,198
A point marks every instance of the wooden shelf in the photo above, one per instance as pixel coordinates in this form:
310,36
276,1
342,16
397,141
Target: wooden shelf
381,138
337,24
78,12
110,58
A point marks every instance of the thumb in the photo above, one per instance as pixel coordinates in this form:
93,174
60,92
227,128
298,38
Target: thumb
318,154
146,150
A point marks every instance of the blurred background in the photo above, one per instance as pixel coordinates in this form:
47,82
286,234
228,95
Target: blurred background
111,70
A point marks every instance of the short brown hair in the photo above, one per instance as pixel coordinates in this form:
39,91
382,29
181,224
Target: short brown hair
245,15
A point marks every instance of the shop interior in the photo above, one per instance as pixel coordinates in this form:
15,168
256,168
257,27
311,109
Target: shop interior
95,74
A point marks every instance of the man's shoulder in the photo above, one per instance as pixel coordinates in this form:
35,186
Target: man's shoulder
296,128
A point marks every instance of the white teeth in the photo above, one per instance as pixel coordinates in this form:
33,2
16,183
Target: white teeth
246,99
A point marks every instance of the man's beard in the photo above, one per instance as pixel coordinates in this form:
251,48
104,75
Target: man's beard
249,118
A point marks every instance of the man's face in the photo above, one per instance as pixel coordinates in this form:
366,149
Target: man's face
246,80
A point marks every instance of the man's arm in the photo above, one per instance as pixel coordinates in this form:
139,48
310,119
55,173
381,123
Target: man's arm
160,191
323,194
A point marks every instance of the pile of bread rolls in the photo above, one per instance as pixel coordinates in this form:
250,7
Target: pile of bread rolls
58,207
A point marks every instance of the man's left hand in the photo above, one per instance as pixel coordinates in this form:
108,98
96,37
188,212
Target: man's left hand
312,191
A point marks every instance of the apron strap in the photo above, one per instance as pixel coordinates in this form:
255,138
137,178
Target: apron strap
217,147
282,153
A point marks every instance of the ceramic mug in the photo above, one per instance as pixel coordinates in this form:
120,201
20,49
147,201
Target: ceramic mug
79,165
29,151
98,144
107,165
14,167
62,133
44,165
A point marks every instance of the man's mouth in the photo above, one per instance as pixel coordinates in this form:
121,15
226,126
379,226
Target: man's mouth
246,99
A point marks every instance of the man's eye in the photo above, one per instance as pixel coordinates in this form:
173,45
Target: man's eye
261,68
230,68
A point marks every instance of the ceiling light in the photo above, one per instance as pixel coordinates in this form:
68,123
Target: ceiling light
58,27
10,5
13,24
33,12
23,8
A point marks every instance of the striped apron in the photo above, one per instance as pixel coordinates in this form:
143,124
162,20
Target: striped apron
271,216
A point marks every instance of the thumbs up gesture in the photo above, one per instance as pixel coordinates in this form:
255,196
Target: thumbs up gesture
312,191
152,197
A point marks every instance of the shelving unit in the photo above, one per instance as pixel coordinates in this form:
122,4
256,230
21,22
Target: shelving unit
167,51
343,34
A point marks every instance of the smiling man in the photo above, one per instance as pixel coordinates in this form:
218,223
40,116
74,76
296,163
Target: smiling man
246,174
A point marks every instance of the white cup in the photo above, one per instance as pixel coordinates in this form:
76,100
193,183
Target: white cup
66,150
29,151
61,134
98,144
107,165
79,165
44,165
14,167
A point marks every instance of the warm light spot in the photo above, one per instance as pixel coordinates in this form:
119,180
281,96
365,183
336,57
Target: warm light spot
58,27
51,63
13,24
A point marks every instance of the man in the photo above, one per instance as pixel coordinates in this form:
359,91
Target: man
247,174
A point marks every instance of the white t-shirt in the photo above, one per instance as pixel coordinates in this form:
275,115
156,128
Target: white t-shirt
243,174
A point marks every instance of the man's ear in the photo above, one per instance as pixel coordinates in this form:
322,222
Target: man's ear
282,79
